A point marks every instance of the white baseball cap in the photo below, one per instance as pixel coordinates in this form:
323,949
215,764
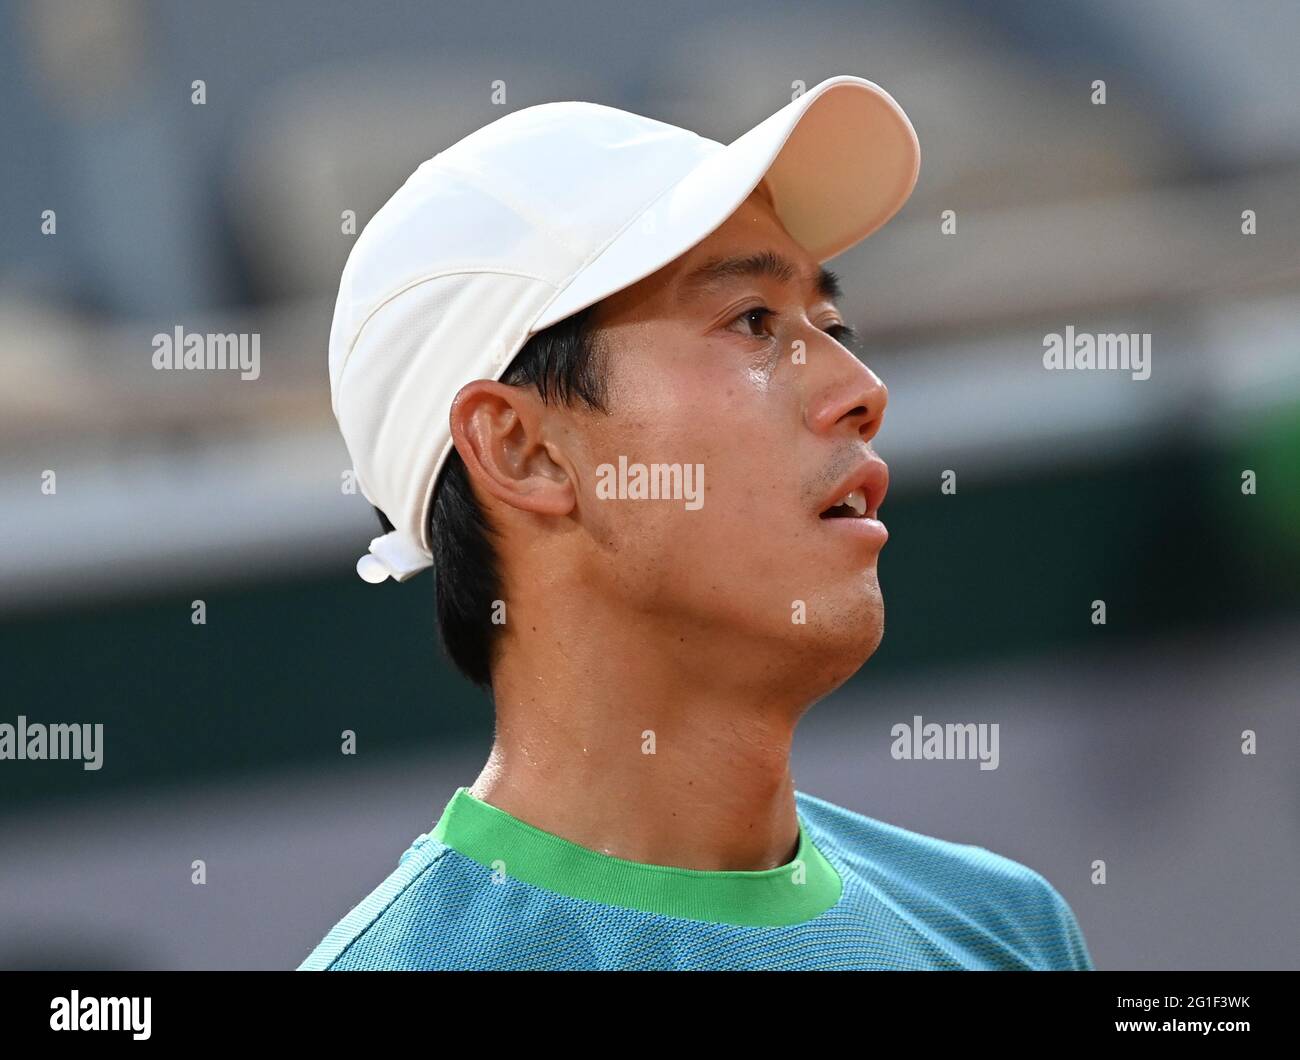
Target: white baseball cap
544,212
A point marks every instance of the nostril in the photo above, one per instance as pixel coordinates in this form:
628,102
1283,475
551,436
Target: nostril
870,427
861,410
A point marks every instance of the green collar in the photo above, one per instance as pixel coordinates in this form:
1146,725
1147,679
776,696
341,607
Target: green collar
788,894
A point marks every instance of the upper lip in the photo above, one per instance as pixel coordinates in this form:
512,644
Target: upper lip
872,477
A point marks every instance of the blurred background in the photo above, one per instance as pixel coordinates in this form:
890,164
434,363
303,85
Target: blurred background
1119,743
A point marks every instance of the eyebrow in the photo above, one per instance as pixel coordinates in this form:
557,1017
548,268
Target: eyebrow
764,263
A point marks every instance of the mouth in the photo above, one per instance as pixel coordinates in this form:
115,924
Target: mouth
859,496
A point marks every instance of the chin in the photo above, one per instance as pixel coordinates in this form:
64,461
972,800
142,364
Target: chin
862,644
863,626
834,673
836,649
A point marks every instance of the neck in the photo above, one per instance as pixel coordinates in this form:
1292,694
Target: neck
643,745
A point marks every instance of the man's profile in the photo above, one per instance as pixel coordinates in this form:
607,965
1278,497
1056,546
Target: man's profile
591,370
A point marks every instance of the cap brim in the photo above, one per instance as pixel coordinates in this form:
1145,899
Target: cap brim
841,160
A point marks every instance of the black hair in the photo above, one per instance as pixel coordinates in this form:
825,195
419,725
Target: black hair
563,364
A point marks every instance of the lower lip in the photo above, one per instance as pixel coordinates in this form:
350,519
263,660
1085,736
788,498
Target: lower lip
872,530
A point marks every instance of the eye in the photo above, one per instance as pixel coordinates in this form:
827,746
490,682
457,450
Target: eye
842,333
759,312
755,317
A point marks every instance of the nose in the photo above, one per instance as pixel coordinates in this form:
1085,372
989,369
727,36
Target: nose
854,402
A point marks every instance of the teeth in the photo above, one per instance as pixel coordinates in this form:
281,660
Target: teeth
857,500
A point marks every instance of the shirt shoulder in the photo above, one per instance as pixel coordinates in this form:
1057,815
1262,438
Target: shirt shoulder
417,861
442,911
989,910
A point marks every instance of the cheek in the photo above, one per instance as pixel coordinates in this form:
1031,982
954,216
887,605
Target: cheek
719,413
712,409
713,400
684,395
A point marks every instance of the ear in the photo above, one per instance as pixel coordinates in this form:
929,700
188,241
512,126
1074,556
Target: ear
500,433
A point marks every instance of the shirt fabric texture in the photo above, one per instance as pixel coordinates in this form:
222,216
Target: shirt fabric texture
487,891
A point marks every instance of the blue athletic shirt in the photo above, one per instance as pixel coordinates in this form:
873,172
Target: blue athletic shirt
485,890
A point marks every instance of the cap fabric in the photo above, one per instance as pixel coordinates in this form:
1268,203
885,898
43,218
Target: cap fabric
544,212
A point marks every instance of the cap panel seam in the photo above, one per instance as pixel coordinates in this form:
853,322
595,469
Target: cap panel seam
459,271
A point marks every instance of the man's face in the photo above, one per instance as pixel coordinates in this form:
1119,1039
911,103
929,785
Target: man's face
735,370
